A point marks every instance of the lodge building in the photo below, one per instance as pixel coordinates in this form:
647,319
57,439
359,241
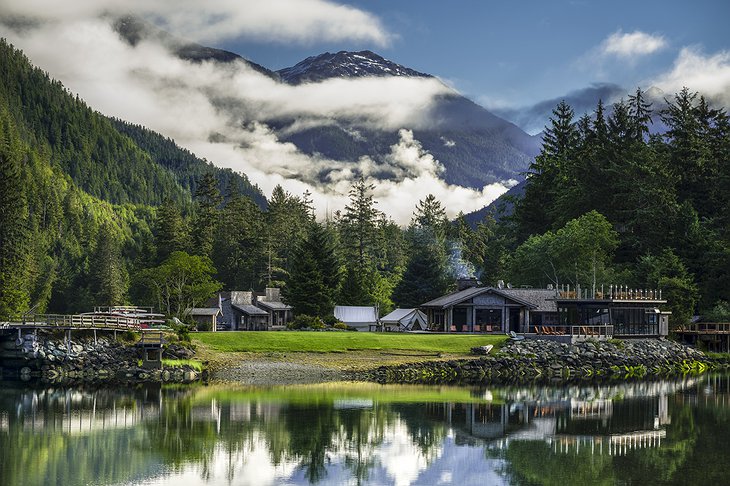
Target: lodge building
564,313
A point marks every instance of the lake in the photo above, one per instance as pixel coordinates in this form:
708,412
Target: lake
664,432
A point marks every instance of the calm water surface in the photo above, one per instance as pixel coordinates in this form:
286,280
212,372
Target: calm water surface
670,432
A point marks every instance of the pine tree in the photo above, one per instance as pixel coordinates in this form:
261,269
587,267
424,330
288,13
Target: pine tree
640,112
358,224
425,276
14,250
170,231
207,198
239,245
286,219
315,275
108,279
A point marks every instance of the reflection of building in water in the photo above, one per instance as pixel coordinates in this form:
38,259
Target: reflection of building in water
603,425
614,445
713,391
70,411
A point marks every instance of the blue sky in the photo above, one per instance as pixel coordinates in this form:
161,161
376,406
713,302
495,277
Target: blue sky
517,53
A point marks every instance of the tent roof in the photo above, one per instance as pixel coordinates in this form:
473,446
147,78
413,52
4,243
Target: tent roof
399,315
349,313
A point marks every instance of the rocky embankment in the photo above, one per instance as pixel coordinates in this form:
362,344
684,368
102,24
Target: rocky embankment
85,359
549,361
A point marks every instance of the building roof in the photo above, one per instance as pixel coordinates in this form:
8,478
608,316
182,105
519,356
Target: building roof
350,313
542,299
466,294
399,315
455,297
205,311
274,305
251,310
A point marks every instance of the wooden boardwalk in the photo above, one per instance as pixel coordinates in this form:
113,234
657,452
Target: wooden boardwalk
75,322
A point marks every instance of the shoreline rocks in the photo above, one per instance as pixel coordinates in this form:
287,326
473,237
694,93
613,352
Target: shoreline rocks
549,361
85,359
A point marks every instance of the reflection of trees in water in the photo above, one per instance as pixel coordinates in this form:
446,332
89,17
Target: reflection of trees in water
72,436
426,425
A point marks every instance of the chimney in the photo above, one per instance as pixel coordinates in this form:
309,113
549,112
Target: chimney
467,283
272,295
242,298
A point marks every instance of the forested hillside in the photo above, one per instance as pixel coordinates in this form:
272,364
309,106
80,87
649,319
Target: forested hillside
660,203
184,165
78,195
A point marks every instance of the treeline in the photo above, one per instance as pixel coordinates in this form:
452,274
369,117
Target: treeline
644,210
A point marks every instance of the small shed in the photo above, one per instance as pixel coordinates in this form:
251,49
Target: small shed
362,318
405,320
206,317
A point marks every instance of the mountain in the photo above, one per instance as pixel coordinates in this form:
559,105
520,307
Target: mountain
500,208
475,146
344,64
135,30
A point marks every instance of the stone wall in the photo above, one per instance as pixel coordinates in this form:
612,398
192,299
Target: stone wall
86,359
549,361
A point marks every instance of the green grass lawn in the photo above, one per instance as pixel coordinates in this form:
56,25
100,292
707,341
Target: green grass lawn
340,342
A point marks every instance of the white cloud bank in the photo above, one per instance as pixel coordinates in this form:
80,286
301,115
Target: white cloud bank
709,74
301,21
632,45
216,111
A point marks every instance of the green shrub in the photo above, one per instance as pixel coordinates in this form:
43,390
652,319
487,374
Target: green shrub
203,326
304,321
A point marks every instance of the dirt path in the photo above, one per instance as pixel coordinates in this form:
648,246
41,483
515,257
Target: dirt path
281,368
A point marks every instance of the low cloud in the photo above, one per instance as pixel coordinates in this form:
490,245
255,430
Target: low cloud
632,45
303,21
448,143
709,74
219,111
533,119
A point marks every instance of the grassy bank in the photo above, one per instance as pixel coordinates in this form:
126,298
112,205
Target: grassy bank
341,351
341,342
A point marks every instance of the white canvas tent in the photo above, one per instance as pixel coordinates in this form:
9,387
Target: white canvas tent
405,320
361,318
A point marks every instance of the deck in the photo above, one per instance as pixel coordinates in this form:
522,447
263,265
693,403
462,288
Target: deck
714,335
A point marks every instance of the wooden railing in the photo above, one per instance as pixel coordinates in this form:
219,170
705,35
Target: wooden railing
705,328
577,331
80,321
151,339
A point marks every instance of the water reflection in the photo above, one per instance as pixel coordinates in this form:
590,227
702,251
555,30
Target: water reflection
658,432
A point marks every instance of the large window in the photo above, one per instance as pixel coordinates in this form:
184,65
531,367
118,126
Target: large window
635,321
574,314
488,320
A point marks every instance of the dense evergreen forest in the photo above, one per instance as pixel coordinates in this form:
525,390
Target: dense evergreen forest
100,212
